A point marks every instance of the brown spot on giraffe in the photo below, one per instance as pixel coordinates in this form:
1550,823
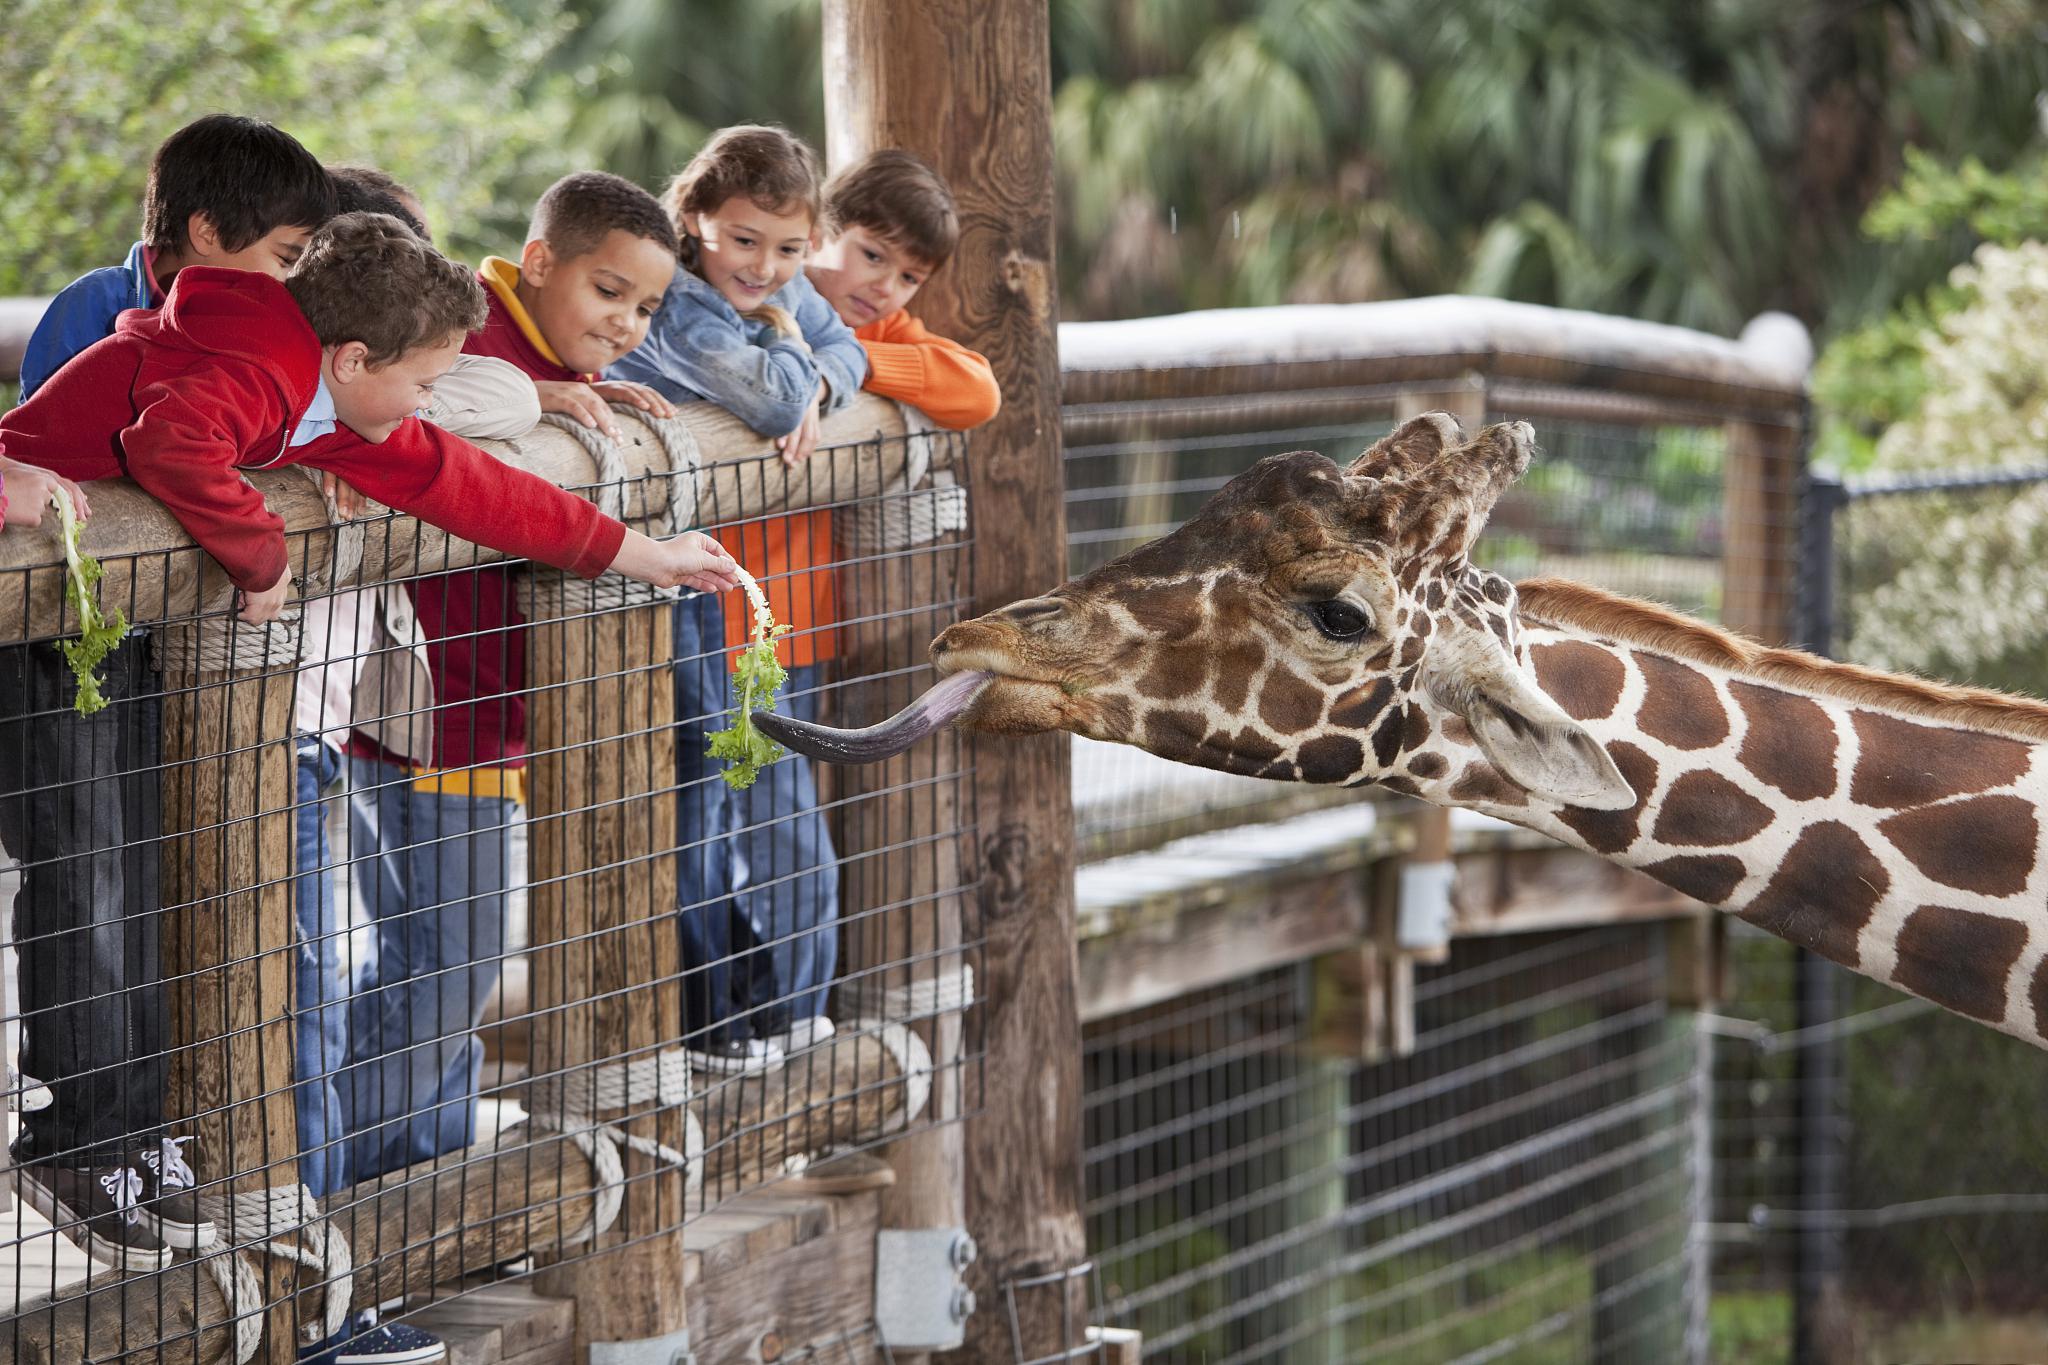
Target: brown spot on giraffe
1790,743
1457,731
1712,879
1289,703
1984,844
1585,680
1829,865
1706,810
1433,595
1958,958
1361,706
1411,651
1429,766
1176,733
1169,611
1482,781
1236,666
1680,705
1250,744
1174,674
1386,741
1904,763
1611,831
1415,729
1330,758
1405,786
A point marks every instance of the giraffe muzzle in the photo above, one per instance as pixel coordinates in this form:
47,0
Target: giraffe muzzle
938,707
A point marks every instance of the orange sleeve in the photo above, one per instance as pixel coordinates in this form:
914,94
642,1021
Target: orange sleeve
943,379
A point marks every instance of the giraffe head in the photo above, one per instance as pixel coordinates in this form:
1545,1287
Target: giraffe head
1312,623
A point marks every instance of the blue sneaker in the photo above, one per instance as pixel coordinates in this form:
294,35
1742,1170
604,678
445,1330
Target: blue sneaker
365,1341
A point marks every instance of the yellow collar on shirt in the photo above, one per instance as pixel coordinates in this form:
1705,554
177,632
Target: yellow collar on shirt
502,278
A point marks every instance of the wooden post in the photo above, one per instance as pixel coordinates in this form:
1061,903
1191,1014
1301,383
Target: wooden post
1760,477
227,941
605,952
967,85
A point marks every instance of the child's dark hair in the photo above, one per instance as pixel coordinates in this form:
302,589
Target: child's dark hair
901,200
578,210
247,177
368,277
365,189
770,166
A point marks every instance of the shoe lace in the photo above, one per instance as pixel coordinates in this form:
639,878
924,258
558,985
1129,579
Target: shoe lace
168,1161
124,1187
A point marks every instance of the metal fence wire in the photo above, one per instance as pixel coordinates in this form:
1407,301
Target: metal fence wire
447,987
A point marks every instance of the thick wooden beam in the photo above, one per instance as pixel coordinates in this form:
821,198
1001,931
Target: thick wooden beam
967,85
606,956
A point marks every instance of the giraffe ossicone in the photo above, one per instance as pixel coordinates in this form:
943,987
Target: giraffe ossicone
1320,624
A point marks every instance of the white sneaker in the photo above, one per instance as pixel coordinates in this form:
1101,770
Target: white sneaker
748,1058
28,1095
805,1033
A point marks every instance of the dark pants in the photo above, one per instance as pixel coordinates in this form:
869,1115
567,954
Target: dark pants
80,806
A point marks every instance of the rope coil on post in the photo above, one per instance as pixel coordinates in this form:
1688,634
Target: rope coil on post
662,1081
323,1248
940,993
913,1059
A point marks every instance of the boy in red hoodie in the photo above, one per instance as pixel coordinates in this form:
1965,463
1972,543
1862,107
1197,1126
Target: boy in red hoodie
238,371
437,834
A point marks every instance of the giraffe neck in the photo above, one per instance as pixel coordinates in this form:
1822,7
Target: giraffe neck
1902,844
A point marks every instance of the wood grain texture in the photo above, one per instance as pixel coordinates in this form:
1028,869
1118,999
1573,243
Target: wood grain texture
606,957
1760,510
966,84
227,946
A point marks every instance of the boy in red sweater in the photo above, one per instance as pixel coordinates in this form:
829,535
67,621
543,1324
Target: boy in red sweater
236,372
433,839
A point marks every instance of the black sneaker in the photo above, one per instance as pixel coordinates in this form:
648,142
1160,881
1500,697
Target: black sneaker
99,1209
169,1208
740,1057
391,1343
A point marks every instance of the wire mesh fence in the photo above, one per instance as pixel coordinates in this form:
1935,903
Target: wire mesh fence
416,942
1520,1187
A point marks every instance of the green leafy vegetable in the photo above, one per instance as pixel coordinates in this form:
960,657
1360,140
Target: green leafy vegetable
757,677
97,633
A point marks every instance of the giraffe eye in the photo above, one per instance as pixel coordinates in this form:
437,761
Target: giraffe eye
1339,620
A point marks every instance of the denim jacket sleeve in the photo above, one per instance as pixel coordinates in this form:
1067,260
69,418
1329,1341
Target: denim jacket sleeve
693,351
837,352
82,314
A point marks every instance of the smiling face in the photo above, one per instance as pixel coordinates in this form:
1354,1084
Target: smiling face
372,400
747,252
1311,624
595,307
865,276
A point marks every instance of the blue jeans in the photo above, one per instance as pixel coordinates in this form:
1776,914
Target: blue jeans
432,869
321,979
758,881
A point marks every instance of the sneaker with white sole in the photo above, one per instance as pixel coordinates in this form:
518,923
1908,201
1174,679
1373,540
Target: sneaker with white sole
28,1095
804,1033
389,1343
100,1210
741,1057
169,1207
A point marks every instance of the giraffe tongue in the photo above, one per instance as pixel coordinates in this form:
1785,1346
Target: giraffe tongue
946,699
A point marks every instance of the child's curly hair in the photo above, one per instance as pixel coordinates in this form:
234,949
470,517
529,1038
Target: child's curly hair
368,277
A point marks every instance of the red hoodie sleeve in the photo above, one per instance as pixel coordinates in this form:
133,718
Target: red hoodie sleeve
182,448
938,376
422,470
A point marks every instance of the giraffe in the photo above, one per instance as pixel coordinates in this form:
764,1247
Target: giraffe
1319,624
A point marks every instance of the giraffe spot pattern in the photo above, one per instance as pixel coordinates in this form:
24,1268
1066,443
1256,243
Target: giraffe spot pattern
1358,708
1823,892
1386,741
1174,674
1250,744
1330,758
1415,729
1482,782
1679,705
1585,680
1236,666
1611,831
1167,610
1405,786
1712,879
1411,651
1429,766
1174,734
1706,810
1958,958
1289,704
1984,844
1903,763
1790,743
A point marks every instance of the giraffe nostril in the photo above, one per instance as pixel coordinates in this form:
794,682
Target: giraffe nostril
1033,611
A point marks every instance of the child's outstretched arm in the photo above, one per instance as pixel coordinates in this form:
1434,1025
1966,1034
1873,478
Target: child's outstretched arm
691,560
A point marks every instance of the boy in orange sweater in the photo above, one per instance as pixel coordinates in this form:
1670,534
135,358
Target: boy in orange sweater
892,225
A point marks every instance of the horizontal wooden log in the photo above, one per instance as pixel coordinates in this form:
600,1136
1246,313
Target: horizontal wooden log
17,321
153,574
519,1192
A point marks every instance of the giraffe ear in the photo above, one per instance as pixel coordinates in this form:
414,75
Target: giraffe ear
1541,749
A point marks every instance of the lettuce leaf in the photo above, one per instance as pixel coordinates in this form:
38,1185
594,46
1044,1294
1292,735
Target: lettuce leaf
757,677
97,632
